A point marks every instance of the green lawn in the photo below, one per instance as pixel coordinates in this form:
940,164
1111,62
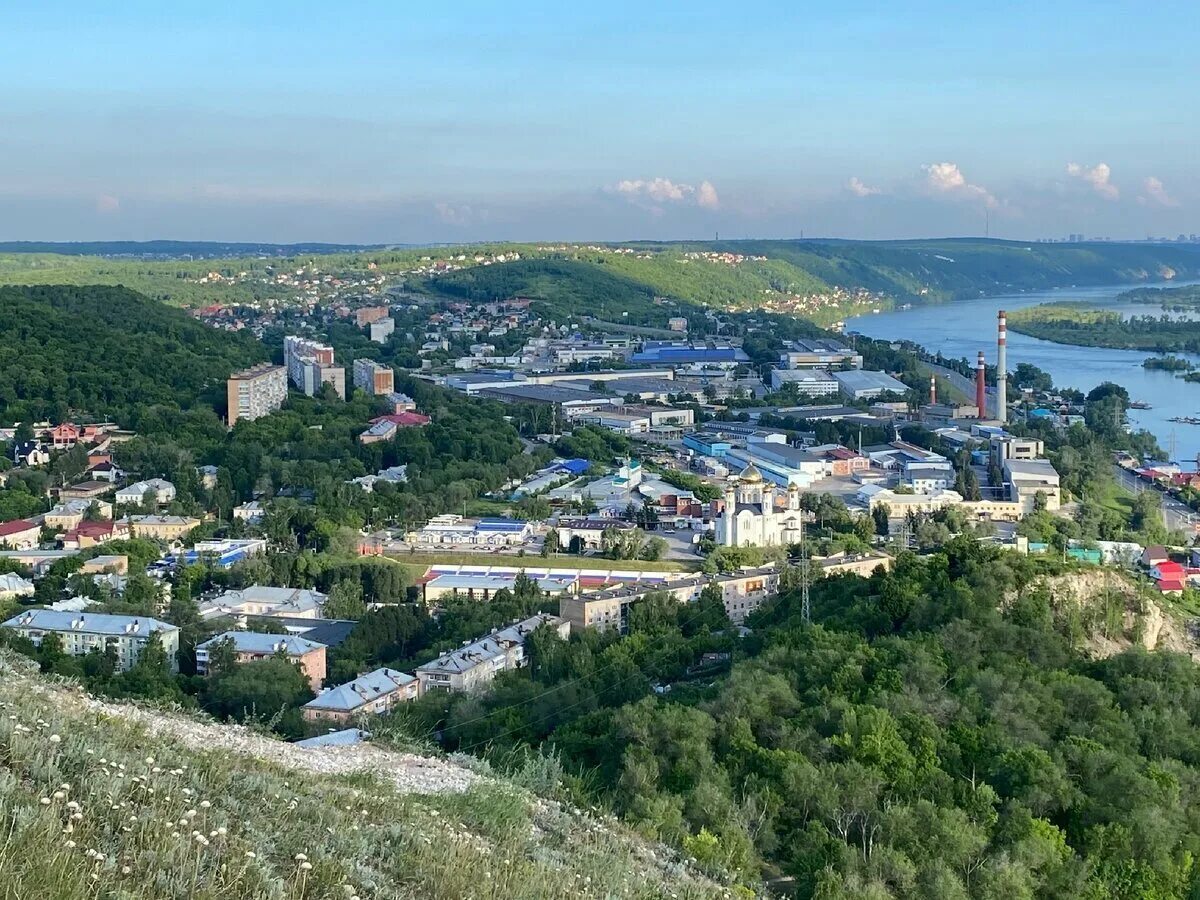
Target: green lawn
419,561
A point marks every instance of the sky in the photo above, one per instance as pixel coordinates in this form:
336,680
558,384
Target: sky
390,122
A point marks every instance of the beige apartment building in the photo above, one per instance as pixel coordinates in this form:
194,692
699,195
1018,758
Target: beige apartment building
256,392
81,633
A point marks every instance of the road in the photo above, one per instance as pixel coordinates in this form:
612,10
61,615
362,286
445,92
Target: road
1176,515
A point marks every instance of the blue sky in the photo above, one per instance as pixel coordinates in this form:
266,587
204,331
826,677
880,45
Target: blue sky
365,122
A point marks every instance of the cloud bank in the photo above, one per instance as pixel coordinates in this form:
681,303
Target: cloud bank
1155,194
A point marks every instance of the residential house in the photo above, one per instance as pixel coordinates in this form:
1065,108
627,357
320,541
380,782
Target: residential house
64,436
30,453
260,600
251,511
372,694
97,565
19,534
162,491
89,533
13,586
85,490
69,513
249,646
81,633
162,528
384,428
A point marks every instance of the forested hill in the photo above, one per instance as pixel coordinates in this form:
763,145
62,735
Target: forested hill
957,268
104,351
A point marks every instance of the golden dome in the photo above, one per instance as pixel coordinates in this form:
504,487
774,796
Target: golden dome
751,475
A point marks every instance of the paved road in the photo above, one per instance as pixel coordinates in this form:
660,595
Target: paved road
1176,515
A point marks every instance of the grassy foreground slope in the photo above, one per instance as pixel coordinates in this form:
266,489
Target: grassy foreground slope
106,351
104,801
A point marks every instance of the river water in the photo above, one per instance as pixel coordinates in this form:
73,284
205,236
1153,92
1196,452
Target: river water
962,328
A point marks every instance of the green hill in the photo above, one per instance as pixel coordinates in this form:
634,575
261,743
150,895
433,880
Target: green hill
777,274
106,351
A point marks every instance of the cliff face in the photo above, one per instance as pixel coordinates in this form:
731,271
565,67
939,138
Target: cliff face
143,803
1109,612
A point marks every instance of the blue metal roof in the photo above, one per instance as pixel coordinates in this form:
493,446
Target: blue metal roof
574,466
501,525
344,738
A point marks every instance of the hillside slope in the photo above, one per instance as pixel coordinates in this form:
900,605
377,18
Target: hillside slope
103,800
102,351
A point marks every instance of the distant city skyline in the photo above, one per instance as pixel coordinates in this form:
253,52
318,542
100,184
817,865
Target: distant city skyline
377,123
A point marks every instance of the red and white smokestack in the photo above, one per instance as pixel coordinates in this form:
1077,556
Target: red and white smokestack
1002,367
981,386
932,389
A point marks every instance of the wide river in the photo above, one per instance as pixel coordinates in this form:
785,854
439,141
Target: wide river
962,328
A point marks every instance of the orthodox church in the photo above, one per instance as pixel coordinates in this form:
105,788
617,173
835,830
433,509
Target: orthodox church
752,516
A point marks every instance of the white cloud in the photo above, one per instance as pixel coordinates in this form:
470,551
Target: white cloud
1098,177
107,203
454,213
859,189
659,191
946,178
1156,193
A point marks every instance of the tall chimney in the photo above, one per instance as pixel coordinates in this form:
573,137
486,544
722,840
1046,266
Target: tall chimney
932,389
1002,368
981,386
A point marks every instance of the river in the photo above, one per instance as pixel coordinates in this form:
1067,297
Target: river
962,328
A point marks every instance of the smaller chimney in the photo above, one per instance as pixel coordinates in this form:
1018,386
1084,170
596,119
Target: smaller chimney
981,386
932,389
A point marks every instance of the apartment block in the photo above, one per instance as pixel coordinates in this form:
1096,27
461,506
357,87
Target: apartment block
81,633
376,379
250,645
256,392
372,694
310,365
474,666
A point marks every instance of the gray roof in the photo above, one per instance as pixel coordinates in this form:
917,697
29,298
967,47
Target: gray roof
466,658
362,690
344,738
253,642
865,380
88,623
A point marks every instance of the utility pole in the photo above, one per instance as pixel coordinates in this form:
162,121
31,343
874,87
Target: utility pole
805,578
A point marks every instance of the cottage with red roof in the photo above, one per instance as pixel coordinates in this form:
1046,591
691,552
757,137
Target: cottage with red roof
1170,577
90,533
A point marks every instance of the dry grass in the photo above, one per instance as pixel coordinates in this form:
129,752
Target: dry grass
97,806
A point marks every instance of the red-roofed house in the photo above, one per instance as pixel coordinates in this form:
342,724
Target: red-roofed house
1170,576
89,534
19,534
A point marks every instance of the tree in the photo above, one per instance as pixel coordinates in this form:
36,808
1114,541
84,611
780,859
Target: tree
880,513
346,600
550,543
263,690
222,658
